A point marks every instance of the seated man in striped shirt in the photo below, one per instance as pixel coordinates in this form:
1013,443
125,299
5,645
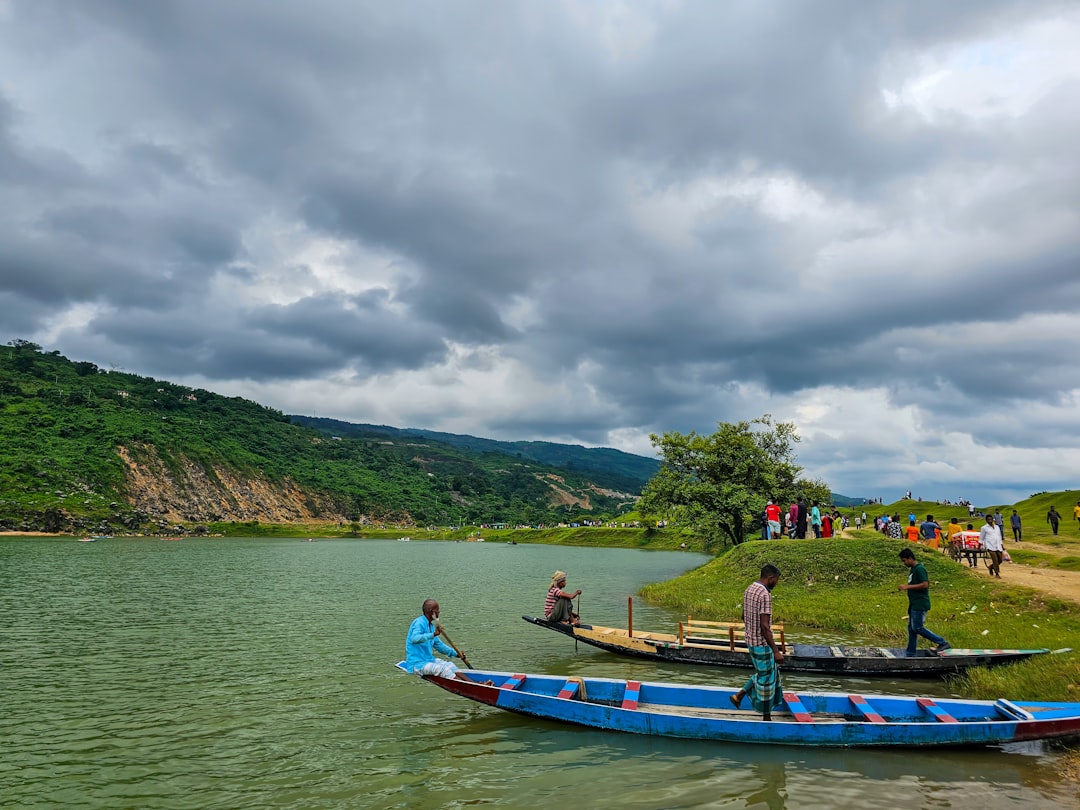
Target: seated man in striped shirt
558,606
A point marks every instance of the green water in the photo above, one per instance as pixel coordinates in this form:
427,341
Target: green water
237,673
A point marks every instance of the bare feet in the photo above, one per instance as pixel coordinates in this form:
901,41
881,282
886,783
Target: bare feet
736,699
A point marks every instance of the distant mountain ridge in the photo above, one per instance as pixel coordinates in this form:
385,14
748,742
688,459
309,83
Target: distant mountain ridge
846,500
605,466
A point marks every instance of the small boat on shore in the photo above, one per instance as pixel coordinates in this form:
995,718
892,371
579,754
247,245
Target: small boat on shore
808,718
88,539
722,644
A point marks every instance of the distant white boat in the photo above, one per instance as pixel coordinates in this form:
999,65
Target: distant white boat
404,539
479,539
87,539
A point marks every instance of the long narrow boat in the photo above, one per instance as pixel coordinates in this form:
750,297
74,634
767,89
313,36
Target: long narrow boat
819,719
722,644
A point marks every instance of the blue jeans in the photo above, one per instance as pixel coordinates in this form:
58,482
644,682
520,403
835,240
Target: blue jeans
915,629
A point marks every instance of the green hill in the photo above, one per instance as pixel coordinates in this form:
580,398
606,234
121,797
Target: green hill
86,449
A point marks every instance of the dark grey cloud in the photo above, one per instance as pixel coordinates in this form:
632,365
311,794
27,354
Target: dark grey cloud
610,219
365,332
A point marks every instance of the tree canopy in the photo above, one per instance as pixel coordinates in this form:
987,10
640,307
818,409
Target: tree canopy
721,482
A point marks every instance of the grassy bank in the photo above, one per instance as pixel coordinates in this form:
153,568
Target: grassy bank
848,587
1041,559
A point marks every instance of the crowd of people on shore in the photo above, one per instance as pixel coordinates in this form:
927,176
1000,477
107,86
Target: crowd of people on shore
801,521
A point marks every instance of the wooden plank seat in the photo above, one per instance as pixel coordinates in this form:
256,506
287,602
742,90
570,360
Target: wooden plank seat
935,711
1011,711
795,705
574,688
865,709
514,682
733,632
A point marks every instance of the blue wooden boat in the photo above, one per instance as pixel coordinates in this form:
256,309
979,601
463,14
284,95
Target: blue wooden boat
810,718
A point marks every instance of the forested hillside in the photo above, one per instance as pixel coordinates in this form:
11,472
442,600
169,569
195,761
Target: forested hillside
84,448
606,467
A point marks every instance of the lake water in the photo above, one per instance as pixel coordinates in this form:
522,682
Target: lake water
212,673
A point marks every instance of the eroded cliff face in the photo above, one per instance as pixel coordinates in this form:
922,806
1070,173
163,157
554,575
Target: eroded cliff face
184,491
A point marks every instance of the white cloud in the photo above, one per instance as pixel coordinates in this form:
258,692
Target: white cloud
999,77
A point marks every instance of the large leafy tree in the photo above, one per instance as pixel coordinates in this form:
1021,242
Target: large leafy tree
720,483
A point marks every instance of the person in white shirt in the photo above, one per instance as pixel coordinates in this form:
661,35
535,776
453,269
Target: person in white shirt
990,539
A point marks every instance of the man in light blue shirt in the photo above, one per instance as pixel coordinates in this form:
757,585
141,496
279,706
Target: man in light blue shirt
422,642
815,518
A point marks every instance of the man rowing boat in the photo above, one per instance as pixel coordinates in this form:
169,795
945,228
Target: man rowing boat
422,641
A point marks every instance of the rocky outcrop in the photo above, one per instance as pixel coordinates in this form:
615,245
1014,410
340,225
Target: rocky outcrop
186,491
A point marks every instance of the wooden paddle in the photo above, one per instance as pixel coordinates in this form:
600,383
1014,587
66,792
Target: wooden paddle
578,610
461,655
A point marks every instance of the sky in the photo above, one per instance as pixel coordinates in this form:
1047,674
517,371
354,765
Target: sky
581,222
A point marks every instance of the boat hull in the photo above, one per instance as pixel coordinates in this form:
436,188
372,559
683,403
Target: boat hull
817,719
808,658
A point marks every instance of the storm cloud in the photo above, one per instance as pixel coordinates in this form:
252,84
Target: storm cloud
573,221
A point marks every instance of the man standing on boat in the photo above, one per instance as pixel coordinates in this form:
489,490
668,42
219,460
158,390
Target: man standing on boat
422,641
763,687
918,593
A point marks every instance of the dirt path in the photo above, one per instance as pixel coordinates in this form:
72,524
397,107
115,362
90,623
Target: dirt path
1054,581
1062,584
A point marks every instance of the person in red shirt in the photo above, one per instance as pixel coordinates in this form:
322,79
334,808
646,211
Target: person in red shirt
826,525
772,516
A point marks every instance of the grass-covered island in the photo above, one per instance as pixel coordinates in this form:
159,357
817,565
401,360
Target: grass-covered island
848,588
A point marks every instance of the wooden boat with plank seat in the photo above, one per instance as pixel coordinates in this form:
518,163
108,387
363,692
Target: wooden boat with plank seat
819,719
723,644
